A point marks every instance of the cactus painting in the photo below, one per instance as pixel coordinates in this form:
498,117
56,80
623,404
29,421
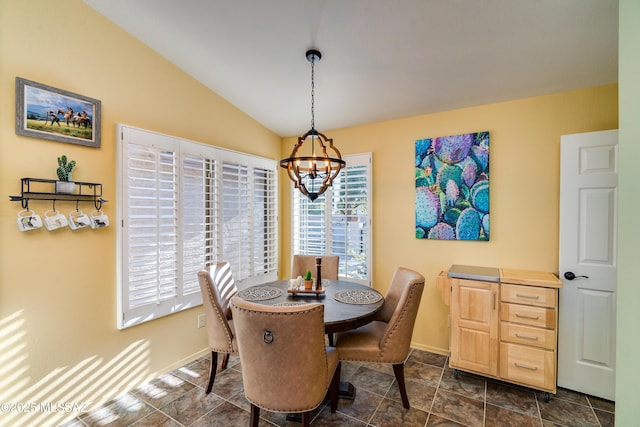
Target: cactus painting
452,187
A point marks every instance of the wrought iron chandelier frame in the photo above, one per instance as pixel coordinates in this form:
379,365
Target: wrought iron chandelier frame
324,164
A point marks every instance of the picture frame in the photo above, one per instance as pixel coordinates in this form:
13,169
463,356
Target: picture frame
55,114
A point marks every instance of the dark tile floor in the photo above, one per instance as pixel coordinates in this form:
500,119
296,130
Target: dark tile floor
437,399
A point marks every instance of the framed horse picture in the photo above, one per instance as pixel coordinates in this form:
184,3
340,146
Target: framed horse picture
58,115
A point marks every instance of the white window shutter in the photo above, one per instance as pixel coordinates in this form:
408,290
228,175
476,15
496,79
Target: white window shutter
183,206
339,222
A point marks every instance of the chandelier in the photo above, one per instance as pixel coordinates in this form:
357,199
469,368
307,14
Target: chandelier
313,168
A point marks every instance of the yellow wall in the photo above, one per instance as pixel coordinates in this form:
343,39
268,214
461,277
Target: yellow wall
524,176
58,336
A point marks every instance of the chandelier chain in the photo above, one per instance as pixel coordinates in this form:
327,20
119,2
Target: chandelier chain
313,61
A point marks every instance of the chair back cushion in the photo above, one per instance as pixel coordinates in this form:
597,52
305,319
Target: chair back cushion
226,286
404,295
399,281
220,333
283,356
302,263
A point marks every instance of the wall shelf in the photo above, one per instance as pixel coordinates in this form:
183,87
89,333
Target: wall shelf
45,189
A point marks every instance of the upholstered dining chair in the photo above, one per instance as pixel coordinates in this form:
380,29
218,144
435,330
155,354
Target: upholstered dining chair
302,263
286,366
388,338
217,287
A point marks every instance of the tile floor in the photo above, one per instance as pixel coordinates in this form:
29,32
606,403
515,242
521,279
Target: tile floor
437,399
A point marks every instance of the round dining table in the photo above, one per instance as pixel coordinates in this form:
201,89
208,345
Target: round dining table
347,305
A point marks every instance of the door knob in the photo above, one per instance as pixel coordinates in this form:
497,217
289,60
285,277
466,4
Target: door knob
570,276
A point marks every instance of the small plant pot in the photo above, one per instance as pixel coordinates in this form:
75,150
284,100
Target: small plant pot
65,187
308,285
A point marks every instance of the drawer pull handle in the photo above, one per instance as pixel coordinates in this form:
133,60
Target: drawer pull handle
531,368
528,296
524,316
526,337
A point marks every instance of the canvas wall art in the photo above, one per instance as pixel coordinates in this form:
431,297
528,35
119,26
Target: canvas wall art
452,187
55,114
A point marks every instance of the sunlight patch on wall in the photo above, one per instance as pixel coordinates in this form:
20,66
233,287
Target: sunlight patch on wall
65,392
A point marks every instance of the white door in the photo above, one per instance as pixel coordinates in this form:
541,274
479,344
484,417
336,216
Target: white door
588,262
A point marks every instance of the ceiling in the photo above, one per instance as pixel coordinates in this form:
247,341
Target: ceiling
381,59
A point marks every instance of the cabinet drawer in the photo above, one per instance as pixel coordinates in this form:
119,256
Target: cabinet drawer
528,366
533,295
527,335
528,315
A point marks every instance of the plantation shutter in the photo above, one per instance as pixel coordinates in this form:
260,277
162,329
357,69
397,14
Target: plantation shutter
235,215
350,228
198,246
184,206
311,224
150,262
339,221
265,221
247,217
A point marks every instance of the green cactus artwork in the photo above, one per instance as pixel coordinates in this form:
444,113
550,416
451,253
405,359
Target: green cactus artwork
452,187
64,168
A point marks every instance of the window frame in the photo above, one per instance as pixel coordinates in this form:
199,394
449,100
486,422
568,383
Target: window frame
352,161
260,197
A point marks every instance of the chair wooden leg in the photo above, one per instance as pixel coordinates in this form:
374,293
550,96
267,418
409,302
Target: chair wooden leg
334,388
306,419
225,361
255,415
398,370
212,370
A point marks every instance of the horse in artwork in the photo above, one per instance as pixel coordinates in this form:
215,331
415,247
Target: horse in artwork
82,119
68,116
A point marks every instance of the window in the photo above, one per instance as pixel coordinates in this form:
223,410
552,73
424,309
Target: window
339,221
182,206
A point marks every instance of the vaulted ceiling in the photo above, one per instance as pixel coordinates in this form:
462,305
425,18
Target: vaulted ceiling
381,59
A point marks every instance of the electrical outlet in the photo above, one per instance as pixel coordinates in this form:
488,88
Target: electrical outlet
202,318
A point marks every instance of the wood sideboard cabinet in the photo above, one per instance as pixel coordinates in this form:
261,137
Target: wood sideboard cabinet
504,327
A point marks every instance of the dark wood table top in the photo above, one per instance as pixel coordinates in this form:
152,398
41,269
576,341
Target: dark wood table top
338,316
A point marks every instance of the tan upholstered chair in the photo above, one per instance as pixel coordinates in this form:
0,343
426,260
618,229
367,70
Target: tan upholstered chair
302,263
285,364
217,288
388,338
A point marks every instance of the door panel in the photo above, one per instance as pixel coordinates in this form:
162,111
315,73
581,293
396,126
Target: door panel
588,231
598,316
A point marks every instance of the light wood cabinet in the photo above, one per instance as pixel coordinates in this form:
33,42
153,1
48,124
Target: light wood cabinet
506,329
474,326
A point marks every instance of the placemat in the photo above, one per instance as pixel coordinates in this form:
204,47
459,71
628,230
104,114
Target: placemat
358,296
260,293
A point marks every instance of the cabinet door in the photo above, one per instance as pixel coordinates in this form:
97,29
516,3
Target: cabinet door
474,326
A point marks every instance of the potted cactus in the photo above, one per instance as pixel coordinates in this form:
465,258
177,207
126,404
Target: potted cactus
308,280
64,184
